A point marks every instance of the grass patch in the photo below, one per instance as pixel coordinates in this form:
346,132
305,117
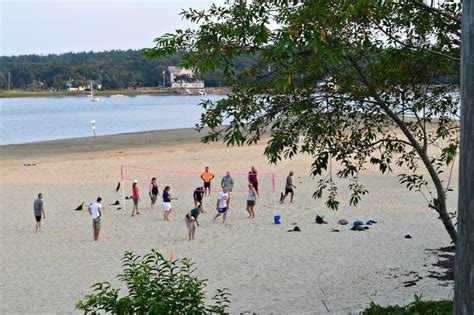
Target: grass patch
418,306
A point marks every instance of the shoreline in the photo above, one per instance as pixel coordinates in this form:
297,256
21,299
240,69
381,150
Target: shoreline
157,91
121,141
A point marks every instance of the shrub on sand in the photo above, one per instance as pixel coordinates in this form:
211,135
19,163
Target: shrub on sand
155,285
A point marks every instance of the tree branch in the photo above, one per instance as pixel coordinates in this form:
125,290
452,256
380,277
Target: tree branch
409,46
390,140
421,4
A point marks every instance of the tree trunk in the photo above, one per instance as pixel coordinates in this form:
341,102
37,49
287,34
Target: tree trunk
440,202
464,265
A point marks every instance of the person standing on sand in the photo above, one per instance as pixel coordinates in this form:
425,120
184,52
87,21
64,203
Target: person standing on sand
191,220
207,176
228,183
253,179
153,191
251,197
288,188
135,197
95,210
167,203
38,208
197,196
222,205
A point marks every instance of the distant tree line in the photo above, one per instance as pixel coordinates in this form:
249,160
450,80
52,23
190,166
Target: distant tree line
116,69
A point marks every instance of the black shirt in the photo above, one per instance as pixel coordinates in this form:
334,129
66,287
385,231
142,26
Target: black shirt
154,189
198,193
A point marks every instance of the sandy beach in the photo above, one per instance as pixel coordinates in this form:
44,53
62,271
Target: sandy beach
266,269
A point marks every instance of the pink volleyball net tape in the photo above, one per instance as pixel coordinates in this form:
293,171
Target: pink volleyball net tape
190,180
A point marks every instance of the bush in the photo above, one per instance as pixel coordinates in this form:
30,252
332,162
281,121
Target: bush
155,286
416,307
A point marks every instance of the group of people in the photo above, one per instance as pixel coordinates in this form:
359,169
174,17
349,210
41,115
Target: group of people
223,197
222,205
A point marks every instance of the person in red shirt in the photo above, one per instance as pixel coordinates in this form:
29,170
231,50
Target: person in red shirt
135,197
253,179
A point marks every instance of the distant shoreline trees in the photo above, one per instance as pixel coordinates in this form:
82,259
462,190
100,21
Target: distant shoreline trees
115,69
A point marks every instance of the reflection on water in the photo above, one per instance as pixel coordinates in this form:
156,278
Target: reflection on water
29,119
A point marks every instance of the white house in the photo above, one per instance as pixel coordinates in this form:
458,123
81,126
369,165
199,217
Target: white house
190,82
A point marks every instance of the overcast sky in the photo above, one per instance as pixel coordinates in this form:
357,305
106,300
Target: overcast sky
43,27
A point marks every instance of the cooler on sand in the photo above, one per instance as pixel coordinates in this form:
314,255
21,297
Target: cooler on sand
277,219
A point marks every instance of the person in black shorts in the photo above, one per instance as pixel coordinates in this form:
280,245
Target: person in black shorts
288,188
253,179
197,195
39,211
207,177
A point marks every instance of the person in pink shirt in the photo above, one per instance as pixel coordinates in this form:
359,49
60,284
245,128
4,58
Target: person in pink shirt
135,197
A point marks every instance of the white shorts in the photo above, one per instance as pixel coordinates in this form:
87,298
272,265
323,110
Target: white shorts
189,224
167,206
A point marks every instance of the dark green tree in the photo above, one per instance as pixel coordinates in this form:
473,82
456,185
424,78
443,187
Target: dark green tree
155,285
114,69
355,77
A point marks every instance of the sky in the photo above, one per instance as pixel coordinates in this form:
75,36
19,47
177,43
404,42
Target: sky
45,27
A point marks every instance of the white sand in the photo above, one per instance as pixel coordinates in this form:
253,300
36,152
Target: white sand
265,268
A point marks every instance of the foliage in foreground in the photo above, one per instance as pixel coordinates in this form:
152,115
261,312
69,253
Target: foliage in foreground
155,286
416,307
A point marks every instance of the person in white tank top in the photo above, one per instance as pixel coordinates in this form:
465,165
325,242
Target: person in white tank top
251,197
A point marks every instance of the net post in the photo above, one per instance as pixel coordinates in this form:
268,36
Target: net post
122,182
274,194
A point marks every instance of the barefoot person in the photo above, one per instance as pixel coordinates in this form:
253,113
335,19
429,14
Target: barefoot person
207,176
191,220
251,197
153,191
95,210
227,182
197,195
135,197
222,206
288,188
253,179
38,208
167,203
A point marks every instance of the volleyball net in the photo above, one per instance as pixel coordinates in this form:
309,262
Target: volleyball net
182,181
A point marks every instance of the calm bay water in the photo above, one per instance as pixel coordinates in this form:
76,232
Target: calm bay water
30,119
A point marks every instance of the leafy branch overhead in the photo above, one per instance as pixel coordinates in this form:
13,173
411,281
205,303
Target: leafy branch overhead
358,79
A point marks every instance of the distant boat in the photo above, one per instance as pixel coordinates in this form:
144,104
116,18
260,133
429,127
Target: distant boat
93,98
202,92
187,92
116,96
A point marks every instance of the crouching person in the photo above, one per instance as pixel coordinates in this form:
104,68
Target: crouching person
191,220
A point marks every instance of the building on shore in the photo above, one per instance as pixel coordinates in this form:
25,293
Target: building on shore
72,86
182,78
